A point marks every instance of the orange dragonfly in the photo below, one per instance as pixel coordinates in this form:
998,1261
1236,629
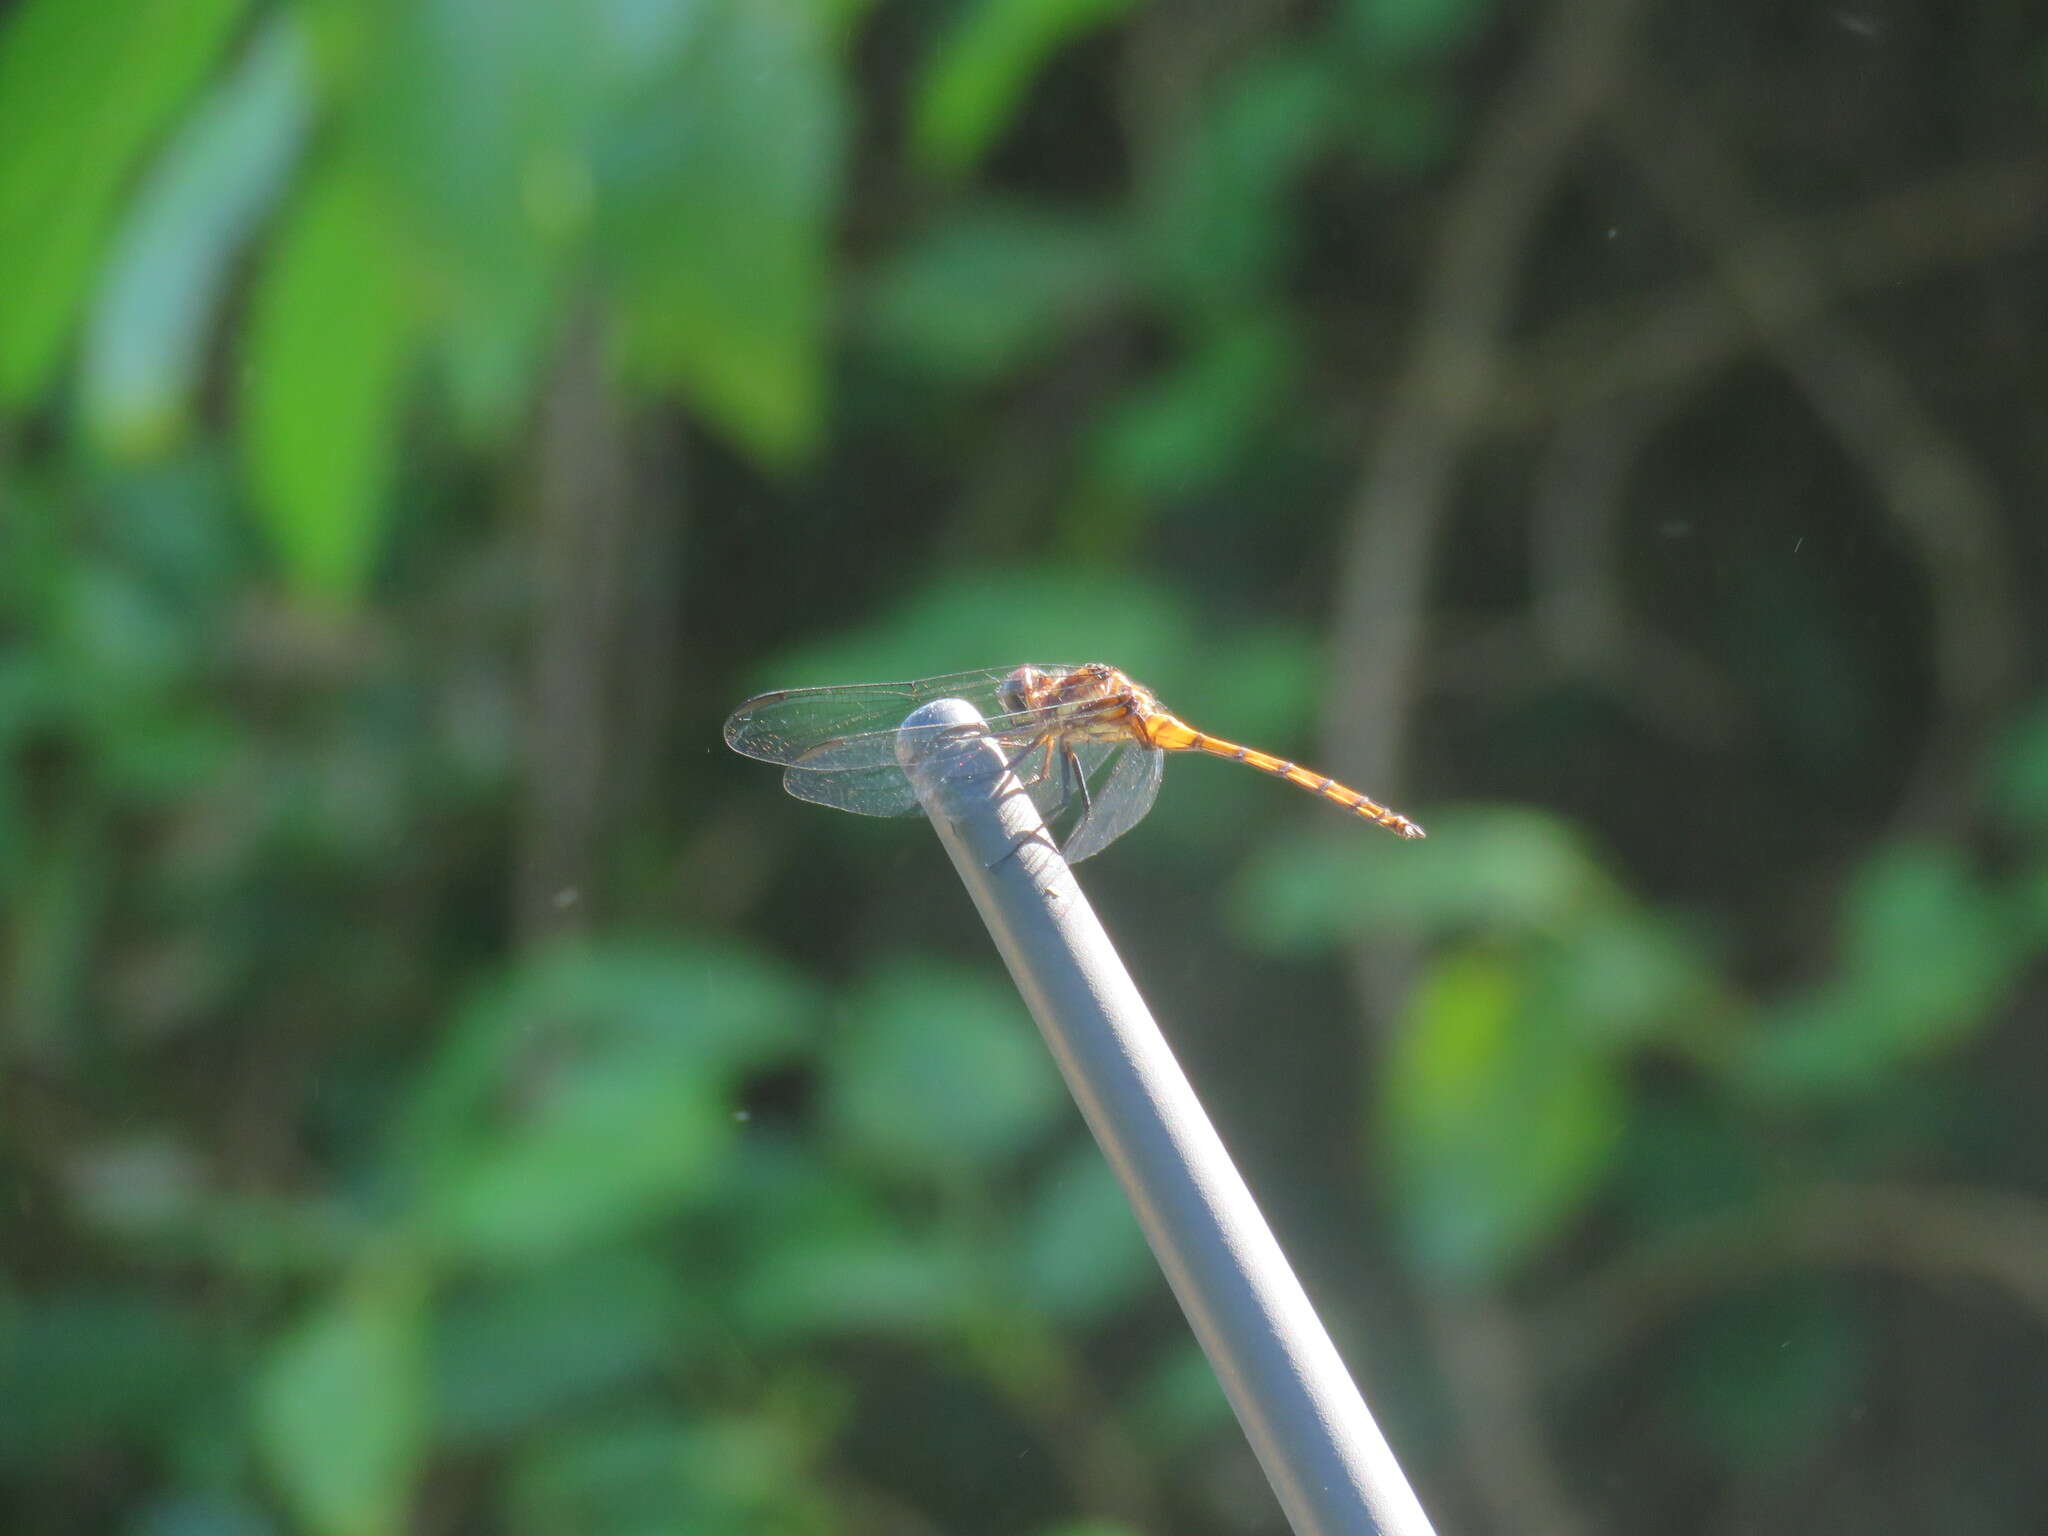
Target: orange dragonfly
1088,744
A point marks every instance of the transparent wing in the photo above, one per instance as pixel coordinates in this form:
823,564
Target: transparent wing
1054,782
784,726
872,749
877,791
1120,799
882,789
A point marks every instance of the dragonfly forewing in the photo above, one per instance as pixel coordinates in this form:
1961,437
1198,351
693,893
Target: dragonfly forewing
871,749
783,727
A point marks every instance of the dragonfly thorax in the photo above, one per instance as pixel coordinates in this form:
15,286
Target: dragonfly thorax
1095,694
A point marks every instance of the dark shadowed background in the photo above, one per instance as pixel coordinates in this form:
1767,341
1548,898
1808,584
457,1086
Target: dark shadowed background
443,1090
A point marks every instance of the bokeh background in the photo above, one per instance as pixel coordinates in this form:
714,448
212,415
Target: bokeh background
443,1090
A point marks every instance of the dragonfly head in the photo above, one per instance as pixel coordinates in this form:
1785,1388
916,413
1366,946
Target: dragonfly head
1022,689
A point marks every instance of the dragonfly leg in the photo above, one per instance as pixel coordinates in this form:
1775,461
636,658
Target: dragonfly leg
1072,779
1043,836
1043,745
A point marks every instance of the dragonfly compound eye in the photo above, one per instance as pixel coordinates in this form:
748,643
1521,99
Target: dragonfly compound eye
1019,688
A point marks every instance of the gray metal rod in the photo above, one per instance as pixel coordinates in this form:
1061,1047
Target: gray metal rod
1327,1461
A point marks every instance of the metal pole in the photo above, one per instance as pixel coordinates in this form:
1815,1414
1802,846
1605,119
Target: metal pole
1326,1459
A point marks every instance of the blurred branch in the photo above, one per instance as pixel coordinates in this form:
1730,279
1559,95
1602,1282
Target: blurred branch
1613,351
1937,495
1438,405
1050,1389
1445,390
1484,1352
580,569
1580,624
1930,1233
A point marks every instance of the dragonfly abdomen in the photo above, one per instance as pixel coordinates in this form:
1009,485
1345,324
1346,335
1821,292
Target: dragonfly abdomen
1177,736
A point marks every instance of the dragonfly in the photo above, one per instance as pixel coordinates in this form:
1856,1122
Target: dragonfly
1086,742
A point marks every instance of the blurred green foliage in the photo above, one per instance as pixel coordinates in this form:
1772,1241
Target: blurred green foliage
439,1089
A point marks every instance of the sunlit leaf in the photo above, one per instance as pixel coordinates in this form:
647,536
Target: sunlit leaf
982,65
938,1071
604,1147
1494,1132
818,1251
341,1406
333,329
1926,952
991,288
587,1096
1926,939
1482,867
484,120
63,169
717,191
173,259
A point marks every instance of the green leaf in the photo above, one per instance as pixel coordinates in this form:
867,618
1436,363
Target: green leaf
1927,944
818,1251
332,332
484,120
1185,430
993,287
586,1097
1406,121
91,1368
1926,955
2019,773
1766,1380
938,1072
509,1356
1488,868
84,91
1179,1403
1495,1129
1402,31
1217,228
861,1280
979,71
1082,1253
341,1406
197,1514
1688,1156
650,1474
1622,976
718,185
174,257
